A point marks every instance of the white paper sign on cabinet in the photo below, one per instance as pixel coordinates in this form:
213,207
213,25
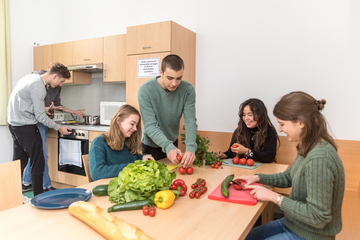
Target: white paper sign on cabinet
148,67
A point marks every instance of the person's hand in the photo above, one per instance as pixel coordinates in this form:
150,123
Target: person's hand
249,179
262,193
65,130
47,109
239,149
147,157
173,154
220,155
79,112
187,159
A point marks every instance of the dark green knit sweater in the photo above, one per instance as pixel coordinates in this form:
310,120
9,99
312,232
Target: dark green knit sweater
313,209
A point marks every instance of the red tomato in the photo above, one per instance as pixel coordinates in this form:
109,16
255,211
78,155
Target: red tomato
212,165
197,195
234,146
145,210
189,170
219,163
152,211
194,185
179,158
250,162
236,186
235,160
216,166
182,170
243,161
191,195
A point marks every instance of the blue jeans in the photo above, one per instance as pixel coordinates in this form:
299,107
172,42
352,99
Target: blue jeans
274,230
46,178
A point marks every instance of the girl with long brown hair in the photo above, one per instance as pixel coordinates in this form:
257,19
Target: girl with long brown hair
119,146
317,178
255,136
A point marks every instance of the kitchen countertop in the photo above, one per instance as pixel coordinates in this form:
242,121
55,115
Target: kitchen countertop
99,128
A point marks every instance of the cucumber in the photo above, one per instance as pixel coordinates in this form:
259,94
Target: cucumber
225,185
134,205
100,190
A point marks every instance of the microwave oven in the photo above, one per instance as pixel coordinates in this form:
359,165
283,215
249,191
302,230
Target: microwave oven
107,109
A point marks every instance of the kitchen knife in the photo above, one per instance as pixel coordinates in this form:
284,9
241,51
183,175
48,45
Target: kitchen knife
240,185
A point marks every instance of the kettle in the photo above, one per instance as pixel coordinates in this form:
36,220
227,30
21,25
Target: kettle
92,120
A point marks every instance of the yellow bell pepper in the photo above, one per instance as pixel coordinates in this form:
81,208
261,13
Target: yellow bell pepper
164,199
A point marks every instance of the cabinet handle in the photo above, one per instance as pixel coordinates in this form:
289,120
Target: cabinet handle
147,47
105,73
86,59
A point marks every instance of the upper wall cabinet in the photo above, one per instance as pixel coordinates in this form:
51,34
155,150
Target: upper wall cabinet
149,38
115,58
43,56
63,53
88,51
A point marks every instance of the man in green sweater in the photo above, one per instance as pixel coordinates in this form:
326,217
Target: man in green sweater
163,100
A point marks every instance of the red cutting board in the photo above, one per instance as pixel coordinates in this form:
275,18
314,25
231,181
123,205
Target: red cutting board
235,196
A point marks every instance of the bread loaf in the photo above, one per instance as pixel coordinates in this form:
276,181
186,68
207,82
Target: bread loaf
105,223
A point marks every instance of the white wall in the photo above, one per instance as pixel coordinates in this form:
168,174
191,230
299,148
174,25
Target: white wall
245,49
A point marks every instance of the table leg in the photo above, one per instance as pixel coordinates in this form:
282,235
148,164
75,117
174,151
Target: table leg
268,213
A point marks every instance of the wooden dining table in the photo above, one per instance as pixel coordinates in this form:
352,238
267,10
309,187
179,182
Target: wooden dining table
187,218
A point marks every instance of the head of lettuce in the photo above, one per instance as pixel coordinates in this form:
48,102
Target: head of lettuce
140,180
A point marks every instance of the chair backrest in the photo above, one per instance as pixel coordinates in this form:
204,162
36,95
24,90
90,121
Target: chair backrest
85,159
10,185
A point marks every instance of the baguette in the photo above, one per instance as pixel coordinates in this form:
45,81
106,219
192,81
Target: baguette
105,223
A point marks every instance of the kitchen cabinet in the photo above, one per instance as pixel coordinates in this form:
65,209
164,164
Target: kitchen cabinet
115,58
43,56
79,78
63,53
157,40
52,150
88,51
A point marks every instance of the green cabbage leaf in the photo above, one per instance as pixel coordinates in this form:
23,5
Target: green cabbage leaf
140,180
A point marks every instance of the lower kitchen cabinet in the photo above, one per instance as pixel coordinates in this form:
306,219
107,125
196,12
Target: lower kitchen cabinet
52,150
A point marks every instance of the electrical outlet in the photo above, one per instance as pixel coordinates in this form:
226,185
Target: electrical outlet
59,116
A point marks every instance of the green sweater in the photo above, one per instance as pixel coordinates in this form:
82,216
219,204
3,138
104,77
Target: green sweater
162,111
107,163
313,209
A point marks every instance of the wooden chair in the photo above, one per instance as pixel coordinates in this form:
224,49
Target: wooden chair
85,159
10,185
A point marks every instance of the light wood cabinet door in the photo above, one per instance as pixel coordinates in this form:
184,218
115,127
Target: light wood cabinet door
52,151
115,58
88,51
149,38
79,78
43,56
133,82
63,53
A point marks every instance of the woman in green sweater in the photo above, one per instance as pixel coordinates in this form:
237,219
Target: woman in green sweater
118,147
317,178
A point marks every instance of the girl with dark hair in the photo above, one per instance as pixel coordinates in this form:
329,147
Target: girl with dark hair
119,146
255,135
317,178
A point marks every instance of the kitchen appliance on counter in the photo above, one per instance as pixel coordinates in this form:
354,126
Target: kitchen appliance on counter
92,120
71,148
107,109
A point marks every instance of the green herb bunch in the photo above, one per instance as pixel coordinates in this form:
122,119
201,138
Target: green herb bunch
202,152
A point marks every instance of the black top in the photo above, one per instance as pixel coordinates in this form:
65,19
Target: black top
267,156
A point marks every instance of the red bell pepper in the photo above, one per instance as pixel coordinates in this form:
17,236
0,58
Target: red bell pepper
180,186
